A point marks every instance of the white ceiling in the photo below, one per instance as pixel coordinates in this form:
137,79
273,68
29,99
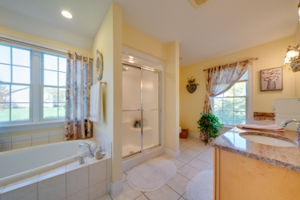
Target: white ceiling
43,18
216,28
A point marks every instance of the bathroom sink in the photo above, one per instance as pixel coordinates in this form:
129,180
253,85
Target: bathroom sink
268,139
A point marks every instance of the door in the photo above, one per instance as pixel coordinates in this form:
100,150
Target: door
150,108
132,119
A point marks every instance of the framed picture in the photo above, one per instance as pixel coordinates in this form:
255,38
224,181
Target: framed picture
271,79
99,65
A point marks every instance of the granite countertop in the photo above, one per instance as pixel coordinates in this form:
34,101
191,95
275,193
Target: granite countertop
287,157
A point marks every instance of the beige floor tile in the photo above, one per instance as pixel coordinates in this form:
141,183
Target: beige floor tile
164,193
187,171
128,193
106,197
178,163
184,196
199,147
207,155
186,156
142,197
192,152
178,183
200,164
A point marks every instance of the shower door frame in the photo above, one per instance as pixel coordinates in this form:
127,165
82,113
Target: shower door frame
141,110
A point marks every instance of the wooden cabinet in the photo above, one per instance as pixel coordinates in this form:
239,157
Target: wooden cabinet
238,177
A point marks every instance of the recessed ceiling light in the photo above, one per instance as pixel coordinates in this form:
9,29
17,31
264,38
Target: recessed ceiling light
66,14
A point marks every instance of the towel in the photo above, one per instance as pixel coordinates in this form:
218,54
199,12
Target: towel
96,101
271,127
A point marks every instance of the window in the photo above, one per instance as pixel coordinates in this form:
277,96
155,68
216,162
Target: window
54,86
32,85
231,106
15,84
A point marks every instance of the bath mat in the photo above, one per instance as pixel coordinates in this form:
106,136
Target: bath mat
201,186
151,175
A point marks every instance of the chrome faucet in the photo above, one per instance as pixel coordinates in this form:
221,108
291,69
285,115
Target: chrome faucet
89,148
285,123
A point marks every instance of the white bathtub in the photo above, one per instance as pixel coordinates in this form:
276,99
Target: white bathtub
23,163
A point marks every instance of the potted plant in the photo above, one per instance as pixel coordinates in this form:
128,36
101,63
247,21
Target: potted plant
209,126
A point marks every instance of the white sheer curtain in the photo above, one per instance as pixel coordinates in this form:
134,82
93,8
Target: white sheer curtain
221,78
78,85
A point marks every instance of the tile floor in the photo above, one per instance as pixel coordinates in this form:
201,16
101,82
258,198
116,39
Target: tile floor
194,157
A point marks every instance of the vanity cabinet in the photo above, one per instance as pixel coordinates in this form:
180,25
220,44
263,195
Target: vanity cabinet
238,177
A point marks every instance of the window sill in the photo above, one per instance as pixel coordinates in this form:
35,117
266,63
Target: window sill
229,126
30,126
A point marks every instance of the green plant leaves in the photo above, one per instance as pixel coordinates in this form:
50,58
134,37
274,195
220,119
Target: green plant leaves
209,126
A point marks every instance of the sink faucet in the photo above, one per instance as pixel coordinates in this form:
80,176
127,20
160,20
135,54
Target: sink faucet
89,148
285,123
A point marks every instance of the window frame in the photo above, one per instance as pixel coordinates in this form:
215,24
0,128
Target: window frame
36,120
248,97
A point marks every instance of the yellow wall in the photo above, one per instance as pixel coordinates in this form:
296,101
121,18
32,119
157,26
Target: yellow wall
108,41
269,55
41,41
171,76
138,40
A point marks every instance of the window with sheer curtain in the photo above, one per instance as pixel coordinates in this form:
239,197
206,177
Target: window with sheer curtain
231,106
32,85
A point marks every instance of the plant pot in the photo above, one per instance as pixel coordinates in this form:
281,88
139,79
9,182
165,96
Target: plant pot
184,133
204,137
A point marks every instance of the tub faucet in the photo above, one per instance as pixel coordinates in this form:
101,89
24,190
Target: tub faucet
285,123
89,148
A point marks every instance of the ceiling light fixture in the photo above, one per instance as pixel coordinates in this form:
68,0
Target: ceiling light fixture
292,57
131,59
66,14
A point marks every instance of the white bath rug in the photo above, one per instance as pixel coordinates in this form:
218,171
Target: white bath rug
151,175
201,186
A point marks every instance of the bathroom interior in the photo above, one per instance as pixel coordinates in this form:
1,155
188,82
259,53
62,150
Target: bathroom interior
149,100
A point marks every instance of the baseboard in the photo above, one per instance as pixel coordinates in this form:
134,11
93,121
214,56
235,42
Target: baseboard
171,152
116,188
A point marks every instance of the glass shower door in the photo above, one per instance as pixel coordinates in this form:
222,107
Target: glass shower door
150,108
132,119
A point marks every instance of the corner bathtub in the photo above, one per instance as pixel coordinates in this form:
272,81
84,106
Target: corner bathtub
20,164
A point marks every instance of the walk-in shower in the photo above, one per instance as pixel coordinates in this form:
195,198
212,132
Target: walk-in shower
141,109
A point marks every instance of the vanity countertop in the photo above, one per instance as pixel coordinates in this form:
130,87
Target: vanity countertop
287,157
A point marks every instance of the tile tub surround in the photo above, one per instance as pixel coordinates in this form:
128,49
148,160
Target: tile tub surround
287,157
83,182
20,141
